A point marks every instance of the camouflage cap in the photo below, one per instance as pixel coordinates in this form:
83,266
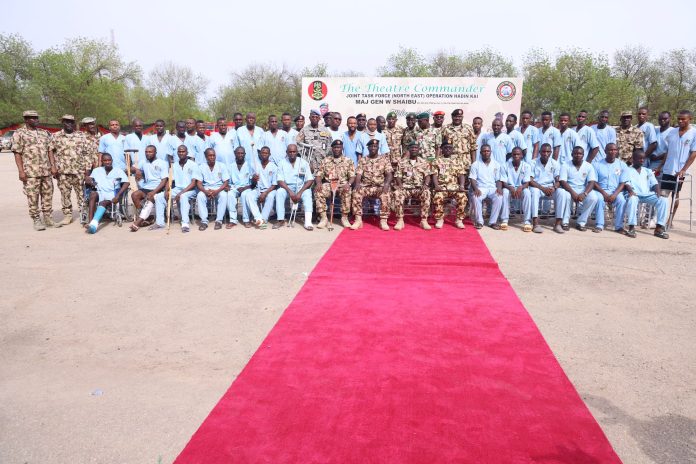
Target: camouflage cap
423,115
626,114
391,114
337,142
30,114
68,117
88,120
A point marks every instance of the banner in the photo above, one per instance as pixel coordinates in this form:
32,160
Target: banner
484,97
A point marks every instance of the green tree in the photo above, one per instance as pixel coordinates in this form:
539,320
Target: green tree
174,92
407,62
16,74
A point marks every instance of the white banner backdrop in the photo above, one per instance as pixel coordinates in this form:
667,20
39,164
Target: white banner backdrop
376,96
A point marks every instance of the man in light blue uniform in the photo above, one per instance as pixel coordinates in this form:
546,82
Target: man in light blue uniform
531,136
113,143
544,181
136,140
610,187
275,139
587,139
518,139
185,177
152,175
160,140
286,122
240,185
665,122
371,133
578,178
179,138
213,185
110,185
642,187
649,132
223,141
351,140
486,177
264,178
501,144
551,135
569,138
250,137
196,145
517,178
294,179
605,134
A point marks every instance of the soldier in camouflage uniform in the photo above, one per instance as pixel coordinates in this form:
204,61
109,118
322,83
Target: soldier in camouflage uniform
373,179
394,135
428,138
628,138
462,138
317,136
92,136
412,177
334,168
410,132
72,154
438,121
34,163
449,180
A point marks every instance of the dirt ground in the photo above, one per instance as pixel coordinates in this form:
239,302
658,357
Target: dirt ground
114,347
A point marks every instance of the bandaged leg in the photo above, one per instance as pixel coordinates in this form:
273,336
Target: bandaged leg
94,224
146,210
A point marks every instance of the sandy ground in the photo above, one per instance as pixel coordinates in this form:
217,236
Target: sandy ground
109,353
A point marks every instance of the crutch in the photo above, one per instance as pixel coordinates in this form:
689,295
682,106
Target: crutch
295,206
170,157
334,188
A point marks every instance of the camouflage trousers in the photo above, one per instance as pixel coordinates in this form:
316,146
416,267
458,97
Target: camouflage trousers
66,184
323,194
420,193
440,197
39,187
372,192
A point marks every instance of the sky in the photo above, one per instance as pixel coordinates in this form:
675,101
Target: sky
219,38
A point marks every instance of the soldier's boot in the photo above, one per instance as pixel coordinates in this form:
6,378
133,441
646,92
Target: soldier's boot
399,224
345,222
459,224
383,224
38,225
48,221
66,220
439,223
425,225
323,221
357,224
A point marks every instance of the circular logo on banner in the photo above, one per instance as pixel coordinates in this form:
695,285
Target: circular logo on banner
317,90
506,91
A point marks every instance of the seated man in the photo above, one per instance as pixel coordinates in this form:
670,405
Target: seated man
152,176
341,170
449,181
214,180
264,180
294,179
372,179
577,178
240,184
486,177
642,187
185,176
610,188
544,181
518,174
412,177
109,184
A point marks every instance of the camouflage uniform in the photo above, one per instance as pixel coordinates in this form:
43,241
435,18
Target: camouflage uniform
72,154
412,175
628,140
448,171
410,135
394,137
463,142
32,146
93,144
429,140
373,171
320,139
331,168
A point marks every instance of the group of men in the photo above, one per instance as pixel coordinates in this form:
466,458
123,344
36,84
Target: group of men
523,168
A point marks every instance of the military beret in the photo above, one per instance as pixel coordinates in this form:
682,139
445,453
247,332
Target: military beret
69,117
30,114
88,120
336,142
391,114
439,113
412,143
373,142
311,112
360,115
458,112
423,115
410,115
626,114
298,117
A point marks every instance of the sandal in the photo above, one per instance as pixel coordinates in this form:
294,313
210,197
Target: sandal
504,226
230,225
631,233
527,228
621,231
309,228
278,225
581,228
597,230
565,227
155,227
203,226
247,225
134,228
478,225
661,234
494,226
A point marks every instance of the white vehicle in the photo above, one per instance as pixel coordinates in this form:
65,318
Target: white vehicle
6,141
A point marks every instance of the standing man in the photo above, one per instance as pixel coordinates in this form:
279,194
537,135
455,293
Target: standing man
178,139
516,136
545,174
160,140
113,143
91,134
477,125
137,140
335,168
213,185
681,152
238,120
318,137
294,179
501,144
587,139
334,124
518,175
185,177
223,141
410,133
412,178
362,122
299,123
486,178
649,132
569,138
429,139
610,188
276,140
152,175
449,181
578,179
393,134
371,133
240,183
604,132
551,135
264,179
664,120
35,166
286,122
438,121
642,187
372,179
531,136
196,145
200,132
72,153
628,138
462,138
351,141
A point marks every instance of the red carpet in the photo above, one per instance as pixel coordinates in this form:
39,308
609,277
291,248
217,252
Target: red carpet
402,347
